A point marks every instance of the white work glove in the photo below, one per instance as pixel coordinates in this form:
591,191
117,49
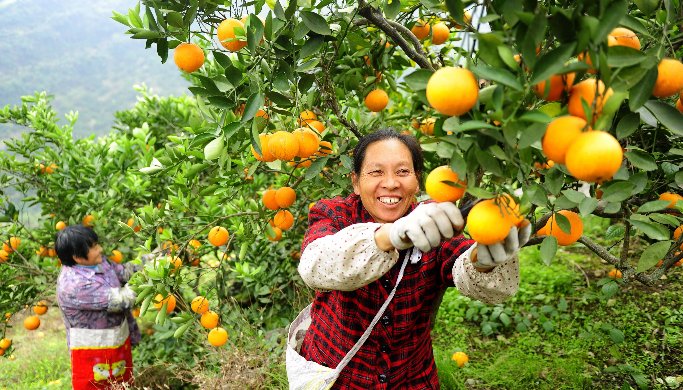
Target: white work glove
426,226
489,256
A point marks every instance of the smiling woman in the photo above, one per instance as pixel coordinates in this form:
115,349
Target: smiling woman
357,251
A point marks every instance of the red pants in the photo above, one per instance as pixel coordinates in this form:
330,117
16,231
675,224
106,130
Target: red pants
98,368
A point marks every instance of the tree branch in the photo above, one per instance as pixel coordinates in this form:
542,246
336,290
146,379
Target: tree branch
392,30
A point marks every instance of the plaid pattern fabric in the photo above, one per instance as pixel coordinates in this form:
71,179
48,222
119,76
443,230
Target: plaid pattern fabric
398,353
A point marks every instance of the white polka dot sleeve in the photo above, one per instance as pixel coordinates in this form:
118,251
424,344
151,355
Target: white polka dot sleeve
492,287
346,260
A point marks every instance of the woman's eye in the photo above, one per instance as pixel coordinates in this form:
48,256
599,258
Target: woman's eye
403,172
375,173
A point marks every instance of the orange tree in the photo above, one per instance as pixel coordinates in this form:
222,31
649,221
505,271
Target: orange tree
282,92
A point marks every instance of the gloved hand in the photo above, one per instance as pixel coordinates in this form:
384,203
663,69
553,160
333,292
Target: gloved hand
426,226
489,256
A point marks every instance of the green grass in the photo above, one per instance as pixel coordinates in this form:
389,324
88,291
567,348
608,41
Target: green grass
40,357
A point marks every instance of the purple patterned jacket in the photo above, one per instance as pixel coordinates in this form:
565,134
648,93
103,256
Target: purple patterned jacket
91,298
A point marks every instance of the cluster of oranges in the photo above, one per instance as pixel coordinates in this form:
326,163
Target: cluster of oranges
8,247
299,148
280,199
209,319
32,322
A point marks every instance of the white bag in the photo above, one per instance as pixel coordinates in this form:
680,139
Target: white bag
306,375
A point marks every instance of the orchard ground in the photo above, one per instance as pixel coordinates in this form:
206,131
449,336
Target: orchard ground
573,338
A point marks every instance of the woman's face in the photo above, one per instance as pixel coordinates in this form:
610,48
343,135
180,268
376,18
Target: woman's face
387,183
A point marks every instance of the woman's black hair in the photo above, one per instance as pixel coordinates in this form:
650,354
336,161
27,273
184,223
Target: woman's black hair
383,134
75,240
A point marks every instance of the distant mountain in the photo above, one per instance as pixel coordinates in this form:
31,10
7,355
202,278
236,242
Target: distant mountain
74,50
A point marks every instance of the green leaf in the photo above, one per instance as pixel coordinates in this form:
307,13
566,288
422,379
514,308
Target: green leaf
254,103
655,205
480,193
499,75
667,219
574,195
623,56
667,115
679,179
653,230
488,162
134,18
652,254
312,46
315,22
628,125
456,9
392,8
642,90
535,116
174,19
554,179
552,62
531,135
474,125
617,191
587,206
123,19
641,159
548,249
141,33
609,20
418,79
615,232
610,288
315,168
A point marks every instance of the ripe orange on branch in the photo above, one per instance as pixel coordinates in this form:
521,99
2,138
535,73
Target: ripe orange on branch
209,319
452,91
5,343
559,135
669,78
266,154
306,116
308,141
621,36
199,305
218,337
421,29
116,256
31,322
285,197
552,228
270,200
60,225
283,219
283,145
440,33
159,301
552,89
594,156
671,197
593,93
188,57
40,308
377,100
88,220
218,236
226,34
444,192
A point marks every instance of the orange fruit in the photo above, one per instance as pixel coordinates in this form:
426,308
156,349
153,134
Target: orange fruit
283,145
267,155
563,238
40,308
135,312
623,37
325,148
679,105
261,114
3,255
88,220
556,86
669,78
218,236
188,57
60,225
306,117
420,29
14,243
376,100
444,192
301,164
270,200
677,234
594,156
283,219
5,343
277,234
460,358
50,168
560,134
452,91
614,274
194,243
199,305
671,197
510,209
593,92
159,301
209,319
440,33
177,262
31,322
116,256
427,126
308,141
226,34
131,223
218,337
285,197
487,224
317,125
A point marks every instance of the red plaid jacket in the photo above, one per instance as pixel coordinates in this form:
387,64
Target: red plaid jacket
398,353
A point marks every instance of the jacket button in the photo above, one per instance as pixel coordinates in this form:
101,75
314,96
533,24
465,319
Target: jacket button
386,320
387,284
384,348
382,378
